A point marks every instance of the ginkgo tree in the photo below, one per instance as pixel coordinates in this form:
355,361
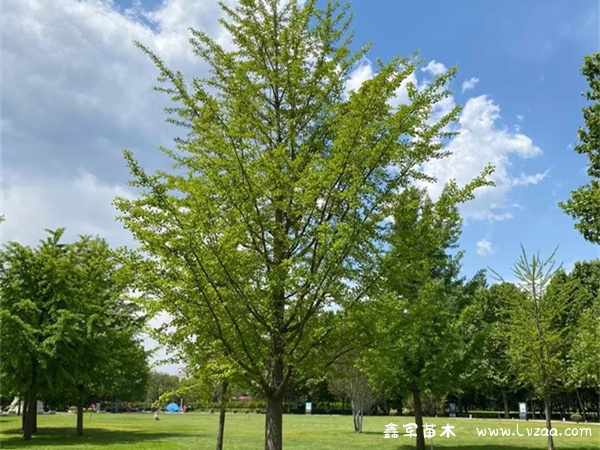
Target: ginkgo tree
420,299
584,204
278,185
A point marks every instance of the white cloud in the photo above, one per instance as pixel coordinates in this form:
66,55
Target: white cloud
520,117
484,247
83,205
434,68
480,142
70,68
361,73
469,84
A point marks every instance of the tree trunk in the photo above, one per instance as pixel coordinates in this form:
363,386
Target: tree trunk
23,409
80,416
419,419
360,420
505,400
222,416
34,418
357,417
548,412
581,405
274,423
30,412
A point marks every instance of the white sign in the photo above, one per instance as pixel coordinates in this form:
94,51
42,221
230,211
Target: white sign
308,407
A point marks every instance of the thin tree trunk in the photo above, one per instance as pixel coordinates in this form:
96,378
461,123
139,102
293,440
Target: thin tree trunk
361,417
80,416
34,418
419,420
581,405
505,400
548,411
23,400
221,434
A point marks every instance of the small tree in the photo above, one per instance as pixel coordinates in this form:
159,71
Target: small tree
537,337
347,380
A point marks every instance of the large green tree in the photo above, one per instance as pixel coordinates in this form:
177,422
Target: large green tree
104,352
36,302
278,185
584,204
65,323
420,299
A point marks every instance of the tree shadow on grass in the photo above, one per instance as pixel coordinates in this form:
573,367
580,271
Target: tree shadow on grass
65,437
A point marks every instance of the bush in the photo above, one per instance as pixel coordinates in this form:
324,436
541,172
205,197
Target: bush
576,417
393,412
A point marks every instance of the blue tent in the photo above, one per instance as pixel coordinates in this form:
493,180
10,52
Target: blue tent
172,408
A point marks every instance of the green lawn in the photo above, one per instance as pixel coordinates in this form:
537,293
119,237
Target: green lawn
198,431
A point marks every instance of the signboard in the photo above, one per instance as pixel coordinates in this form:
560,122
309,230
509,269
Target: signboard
308,407
452,407
523,411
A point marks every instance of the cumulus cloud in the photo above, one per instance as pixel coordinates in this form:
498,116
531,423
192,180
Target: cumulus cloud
469,84
434,68
484,247
70,68
360,74
481,141
32,202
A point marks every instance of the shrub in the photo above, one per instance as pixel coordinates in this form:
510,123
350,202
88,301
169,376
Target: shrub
393,412
576,417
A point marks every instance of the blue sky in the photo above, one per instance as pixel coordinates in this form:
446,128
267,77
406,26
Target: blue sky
76,92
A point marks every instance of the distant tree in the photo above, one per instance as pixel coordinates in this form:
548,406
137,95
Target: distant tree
420,299
347,380
584,316
160,383
538,339
494,371
584,204
279,185
126,374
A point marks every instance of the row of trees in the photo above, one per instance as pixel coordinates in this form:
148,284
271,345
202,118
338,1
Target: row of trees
290,233
69,333
291,228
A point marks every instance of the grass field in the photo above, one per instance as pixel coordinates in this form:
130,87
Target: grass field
198,431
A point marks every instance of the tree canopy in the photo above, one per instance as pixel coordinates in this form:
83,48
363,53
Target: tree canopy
584,204
279,185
